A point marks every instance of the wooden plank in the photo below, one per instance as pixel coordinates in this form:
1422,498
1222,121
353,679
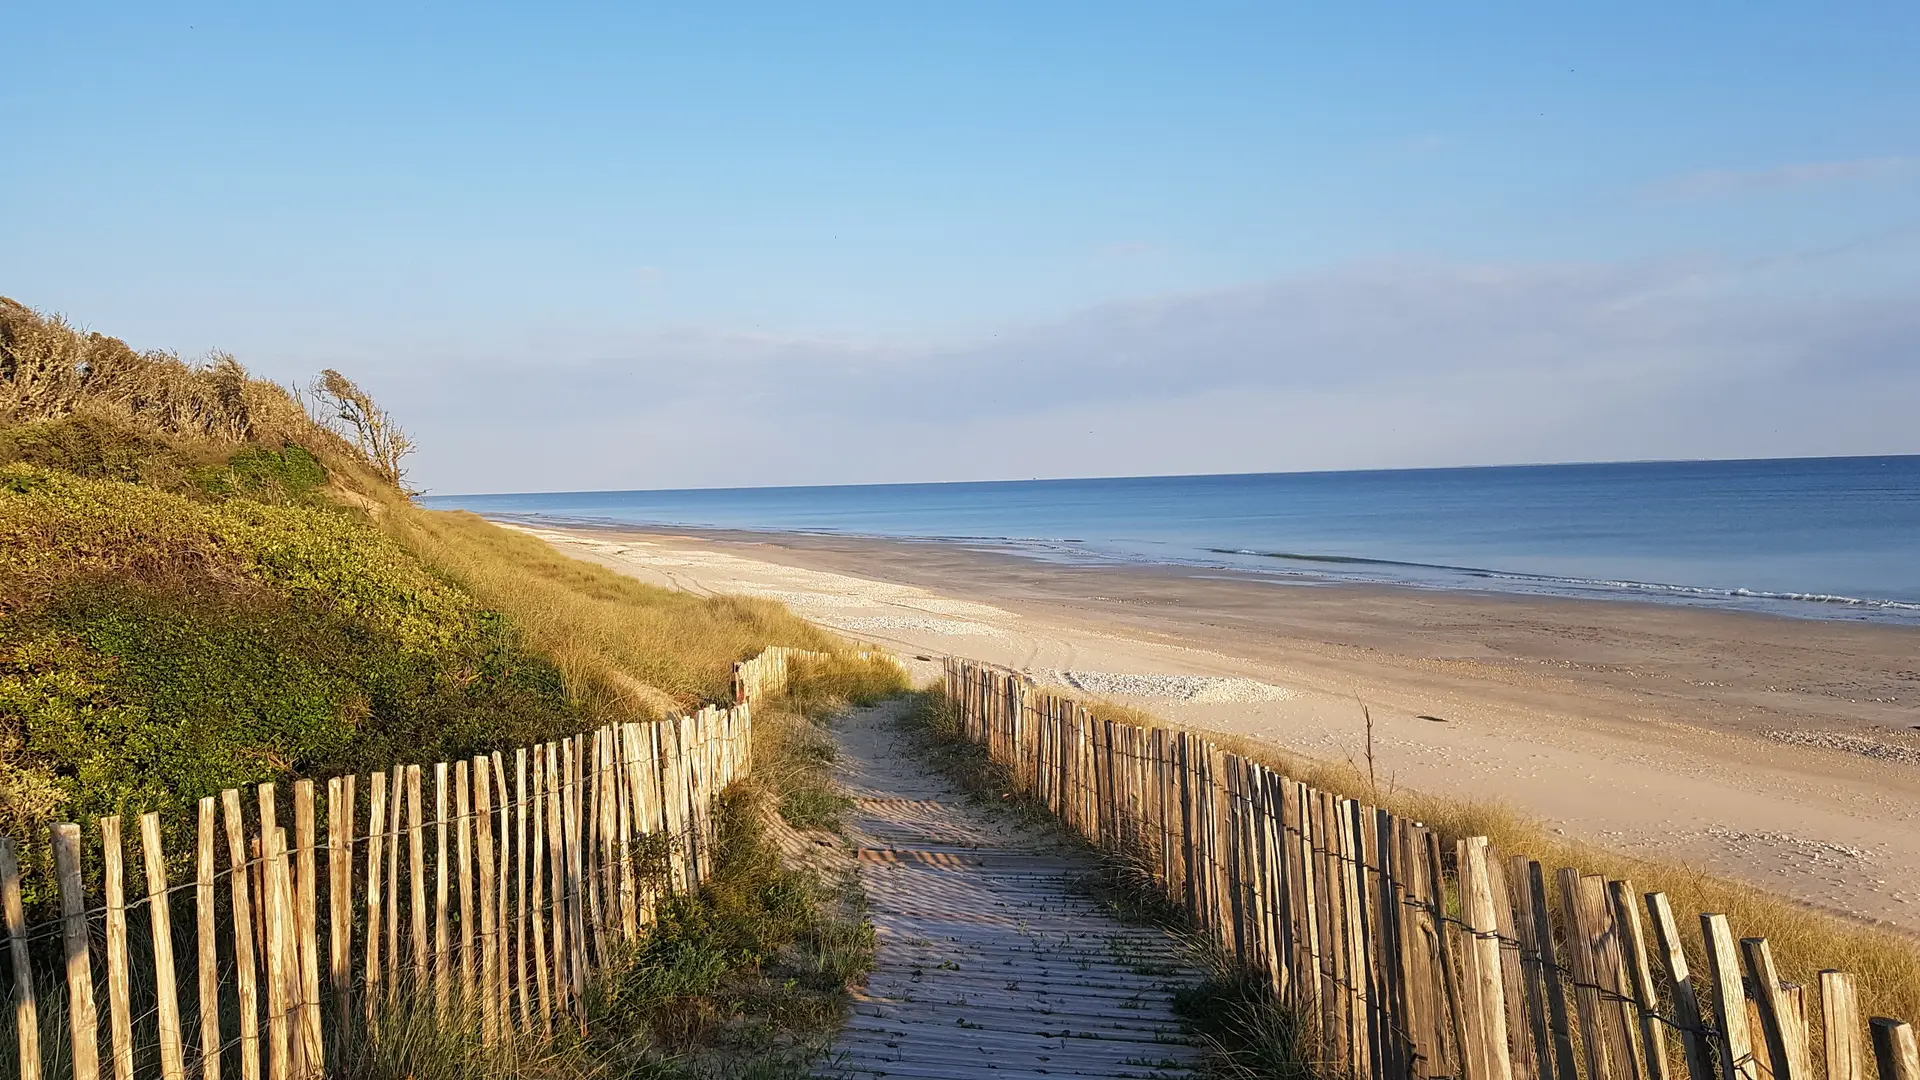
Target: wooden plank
1535,968
1640,985
503,867
1602,1062
576,913
282,969
1609,962
1893,1049
376,839
539,912
589,762
1686,1001
463,821
604,817
83,1023
395,803
1301,883
1795,999
489,927
520,929
1381,951
1356,968
166,992
1735,1042
556,859
307,926
1520,1038
1453,1019
419,977
1492,1060
1419,1019
1786,1042
26,1007
1335,1002
245,964
206,931
1845,1052
340,807
624,788
119,984
442,933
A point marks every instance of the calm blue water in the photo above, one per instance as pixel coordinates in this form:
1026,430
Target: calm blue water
1832,538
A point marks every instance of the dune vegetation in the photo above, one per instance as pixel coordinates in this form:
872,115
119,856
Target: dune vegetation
208,580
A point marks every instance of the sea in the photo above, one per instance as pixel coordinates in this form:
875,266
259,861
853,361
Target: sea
1817,538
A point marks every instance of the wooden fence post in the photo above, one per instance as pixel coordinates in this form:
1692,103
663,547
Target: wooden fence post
376,836
503,864
538,874
576,914
26,1008
520,960
1730,1001
396,797
442,933
489,952
1845,1051
1893,1049
273,895
241,891
1786,1039
340,806
160,917
417,882
556,864
1686,1000
83,1023
1640,986
463,821
306,895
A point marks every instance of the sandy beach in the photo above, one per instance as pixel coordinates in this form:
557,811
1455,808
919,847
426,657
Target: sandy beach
1779,751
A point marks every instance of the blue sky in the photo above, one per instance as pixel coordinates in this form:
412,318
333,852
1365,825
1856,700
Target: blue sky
917,242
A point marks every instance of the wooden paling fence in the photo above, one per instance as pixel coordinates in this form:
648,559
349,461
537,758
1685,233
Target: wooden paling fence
767,673
486,891
1406,960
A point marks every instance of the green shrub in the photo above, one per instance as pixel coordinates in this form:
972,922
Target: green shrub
287,474
155,649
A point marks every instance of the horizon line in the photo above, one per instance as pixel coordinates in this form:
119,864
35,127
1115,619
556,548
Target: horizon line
1175,476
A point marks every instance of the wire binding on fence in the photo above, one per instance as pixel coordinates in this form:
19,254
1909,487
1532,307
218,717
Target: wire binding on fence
1404,961
489,904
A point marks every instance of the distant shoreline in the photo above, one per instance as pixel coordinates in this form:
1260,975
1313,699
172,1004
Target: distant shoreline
1458,580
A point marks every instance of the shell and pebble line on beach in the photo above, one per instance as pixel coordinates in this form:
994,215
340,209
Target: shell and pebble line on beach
1850,744
1195,689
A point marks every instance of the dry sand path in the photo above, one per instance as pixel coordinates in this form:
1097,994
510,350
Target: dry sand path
989,962
1676,774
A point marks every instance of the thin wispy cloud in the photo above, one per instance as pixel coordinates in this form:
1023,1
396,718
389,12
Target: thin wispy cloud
1358,366
1709,183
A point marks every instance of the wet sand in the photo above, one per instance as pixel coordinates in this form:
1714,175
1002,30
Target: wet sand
1775,750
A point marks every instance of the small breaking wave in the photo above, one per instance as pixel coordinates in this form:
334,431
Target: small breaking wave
1701,592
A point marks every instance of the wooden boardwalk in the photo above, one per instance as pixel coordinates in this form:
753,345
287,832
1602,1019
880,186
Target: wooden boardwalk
990,962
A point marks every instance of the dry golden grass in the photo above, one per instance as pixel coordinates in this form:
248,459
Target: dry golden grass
50,370
1805,941
625,648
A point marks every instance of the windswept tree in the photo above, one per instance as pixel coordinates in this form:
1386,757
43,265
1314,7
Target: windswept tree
351,411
